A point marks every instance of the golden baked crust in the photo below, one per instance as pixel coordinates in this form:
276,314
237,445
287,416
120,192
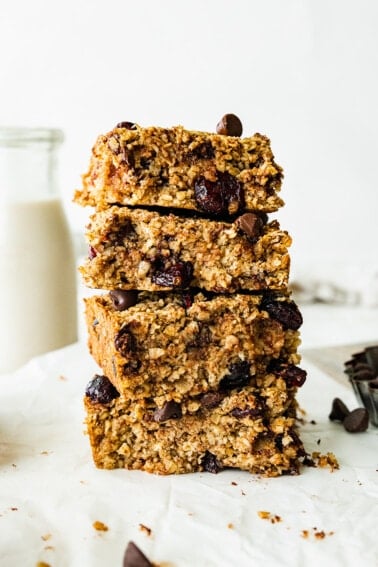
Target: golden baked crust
140,249
174,346
161,166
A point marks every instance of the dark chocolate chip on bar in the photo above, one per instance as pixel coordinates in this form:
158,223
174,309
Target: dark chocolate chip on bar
230,125
250,224
123,299
170,410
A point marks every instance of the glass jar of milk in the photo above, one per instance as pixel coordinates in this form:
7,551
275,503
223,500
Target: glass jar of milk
38,309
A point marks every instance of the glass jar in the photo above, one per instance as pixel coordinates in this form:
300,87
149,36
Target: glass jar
38,307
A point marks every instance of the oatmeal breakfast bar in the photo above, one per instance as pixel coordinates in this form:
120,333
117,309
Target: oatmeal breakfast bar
173,167
236,430
140,249
170,346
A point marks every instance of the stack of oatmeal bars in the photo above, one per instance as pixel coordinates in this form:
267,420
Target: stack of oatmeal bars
196,334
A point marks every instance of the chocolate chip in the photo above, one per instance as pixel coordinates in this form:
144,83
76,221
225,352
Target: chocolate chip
125,342
238,376
127,125
230,125
134,557
250,224
123,299
101,390
339,410
294,376
170,410
211,464
285,312
357,421
220,197
374,384
211,400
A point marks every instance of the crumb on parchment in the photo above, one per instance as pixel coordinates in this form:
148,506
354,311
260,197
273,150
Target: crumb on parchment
328,460
145,529
273,518
100,526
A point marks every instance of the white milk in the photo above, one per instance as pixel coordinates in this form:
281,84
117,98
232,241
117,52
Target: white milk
37,281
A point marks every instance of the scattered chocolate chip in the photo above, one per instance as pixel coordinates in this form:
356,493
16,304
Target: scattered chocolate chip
127,125
285,312
211,400
178,274
250,224
101,390
134,557
170,410
92,252
211,464
339,410
230,125
357,421
125,342
294,376
123,299
238,376
221,197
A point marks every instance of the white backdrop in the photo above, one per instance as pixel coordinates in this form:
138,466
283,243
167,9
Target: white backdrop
303,72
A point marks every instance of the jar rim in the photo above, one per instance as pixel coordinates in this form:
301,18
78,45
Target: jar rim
22,136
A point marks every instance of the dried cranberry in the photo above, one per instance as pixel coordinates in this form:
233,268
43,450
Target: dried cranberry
92,253
101,390
293,375
211,464
125,342
178,274
221,197
238,376
285,312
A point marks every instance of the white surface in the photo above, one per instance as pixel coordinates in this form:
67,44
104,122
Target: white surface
50,489
301,71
